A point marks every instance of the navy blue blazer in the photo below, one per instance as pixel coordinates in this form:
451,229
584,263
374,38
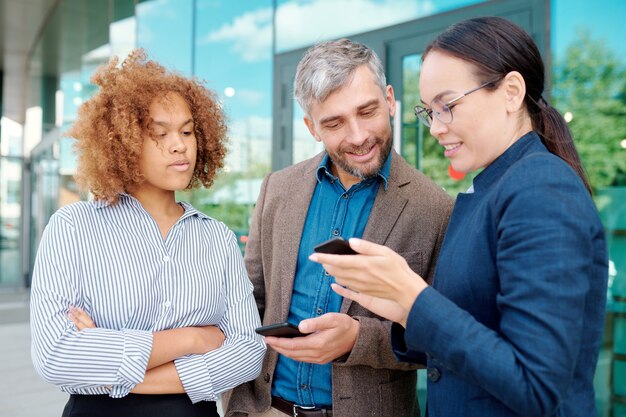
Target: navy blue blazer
513,323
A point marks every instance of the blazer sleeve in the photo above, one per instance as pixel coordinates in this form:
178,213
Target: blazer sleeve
373,347
254,254
549,250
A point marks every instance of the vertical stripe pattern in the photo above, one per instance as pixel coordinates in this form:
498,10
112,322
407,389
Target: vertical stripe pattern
112,261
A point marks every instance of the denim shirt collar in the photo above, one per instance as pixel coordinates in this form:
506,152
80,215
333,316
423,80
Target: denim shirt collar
323,171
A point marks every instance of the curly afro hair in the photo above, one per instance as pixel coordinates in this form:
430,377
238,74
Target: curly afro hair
112,124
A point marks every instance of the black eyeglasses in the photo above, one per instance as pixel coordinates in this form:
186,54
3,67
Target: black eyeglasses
441,110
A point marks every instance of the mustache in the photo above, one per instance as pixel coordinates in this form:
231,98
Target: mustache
365,146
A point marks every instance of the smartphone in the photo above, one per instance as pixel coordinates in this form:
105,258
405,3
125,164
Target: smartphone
280,330
336,245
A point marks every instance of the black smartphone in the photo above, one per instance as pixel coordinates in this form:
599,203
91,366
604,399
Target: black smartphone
336,245
280,330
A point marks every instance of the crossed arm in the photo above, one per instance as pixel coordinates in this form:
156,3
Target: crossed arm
167,345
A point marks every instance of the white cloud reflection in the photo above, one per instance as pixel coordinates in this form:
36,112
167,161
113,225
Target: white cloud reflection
303,24
250,33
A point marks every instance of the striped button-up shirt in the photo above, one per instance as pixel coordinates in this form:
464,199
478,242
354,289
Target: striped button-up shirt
112,261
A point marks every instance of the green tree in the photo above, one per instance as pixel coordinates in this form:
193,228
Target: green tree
590,83
234,215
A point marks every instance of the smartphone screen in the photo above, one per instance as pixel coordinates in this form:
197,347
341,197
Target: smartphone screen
280,330
337,246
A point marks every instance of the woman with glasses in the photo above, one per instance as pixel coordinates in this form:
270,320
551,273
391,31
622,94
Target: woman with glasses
512,324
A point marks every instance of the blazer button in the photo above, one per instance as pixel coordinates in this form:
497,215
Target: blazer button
433,374
266,378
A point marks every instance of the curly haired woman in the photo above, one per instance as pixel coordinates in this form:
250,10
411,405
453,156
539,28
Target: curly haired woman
141,305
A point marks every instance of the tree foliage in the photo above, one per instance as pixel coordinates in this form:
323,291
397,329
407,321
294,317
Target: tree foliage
235,215
590,83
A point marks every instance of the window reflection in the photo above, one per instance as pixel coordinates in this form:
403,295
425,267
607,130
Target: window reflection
233,52
165,31
10,218
300,23
304,145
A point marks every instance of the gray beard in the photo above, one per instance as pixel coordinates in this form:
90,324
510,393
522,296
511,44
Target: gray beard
355,171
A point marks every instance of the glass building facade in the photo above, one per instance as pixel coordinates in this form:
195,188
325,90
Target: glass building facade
247,52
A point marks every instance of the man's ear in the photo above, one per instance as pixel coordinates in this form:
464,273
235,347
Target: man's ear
391,100
311,126
514,90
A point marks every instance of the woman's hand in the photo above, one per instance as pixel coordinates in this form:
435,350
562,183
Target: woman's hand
376,271
207,338
167,345
388,309
80,319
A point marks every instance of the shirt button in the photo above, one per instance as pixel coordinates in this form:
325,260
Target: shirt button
344,196
326,273
166,258
335,232
433,374
304,386
167,304
319,311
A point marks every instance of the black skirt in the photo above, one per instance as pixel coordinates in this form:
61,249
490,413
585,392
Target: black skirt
138,405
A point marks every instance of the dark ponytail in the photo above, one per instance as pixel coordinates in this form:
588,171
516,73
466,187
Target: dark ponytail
496,47
556,136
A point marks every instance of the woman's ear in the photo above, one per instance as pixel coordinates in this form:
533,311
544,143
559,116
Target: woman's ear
514,90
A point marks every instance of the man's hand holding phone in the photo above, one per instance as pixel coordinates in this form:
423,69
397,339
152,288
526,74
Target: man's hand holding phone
326,338
284,329
321,339
336,246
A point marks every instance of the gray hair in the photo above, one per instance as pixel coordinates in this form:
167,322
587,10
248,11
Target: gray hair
328,66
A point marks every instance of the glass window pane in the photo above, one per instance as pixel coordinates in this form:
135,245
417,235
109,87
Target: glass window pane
304,145
589,89
10,222
165,31
10,137
233,54
303,22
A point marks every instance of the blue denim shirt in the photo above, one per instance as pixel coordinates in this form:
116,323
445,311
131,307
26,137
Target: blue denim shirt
333,212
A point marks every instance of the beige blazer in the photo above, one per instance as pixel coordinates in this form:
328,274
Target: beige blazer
410,217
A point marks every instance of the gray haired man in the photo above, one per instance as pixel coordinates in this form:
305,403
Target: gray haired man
357,187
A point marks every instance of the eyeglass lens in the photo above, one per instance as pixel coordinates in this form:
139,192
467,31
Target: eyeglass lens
438,109
441,110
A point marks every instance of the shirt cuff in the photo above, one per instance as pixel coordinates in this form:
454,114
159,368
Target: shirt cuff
400,349
193,374
132,370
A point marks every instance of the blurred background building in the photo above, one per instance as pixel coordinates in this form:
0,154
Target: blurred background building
247,52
